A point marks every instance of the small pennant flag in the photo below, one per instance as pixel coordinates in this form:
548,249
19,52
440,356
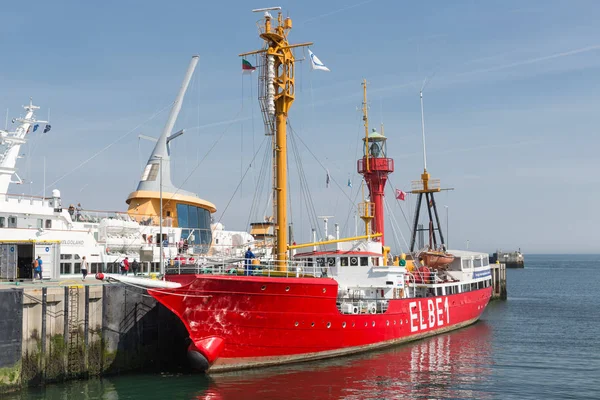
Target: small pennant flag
431,203
316,63
47,128
400,195
349,183
247,68
327,179
35,127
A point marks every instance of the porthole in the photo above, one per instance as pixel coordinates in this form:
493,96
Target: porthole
373,323
343,324
287,288
388,323
328,325
263,287
366,324
353,324
394,322
296,324
324,290
312,325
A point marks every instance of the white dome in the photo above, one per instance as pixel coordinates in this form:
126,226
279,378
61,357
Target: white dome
217,227
56,193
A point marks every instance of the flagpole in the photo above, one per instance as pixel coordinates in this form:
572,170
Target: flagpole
423,132
44,190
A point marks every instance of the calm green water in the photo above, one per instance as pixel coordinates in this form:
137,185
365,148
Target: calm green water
543,343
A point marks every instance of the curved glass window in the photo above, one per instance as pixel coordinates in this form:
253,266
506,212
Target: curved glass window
196,224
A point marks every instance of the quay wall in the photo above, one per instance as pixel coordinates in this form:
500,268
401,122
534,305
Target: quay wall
52,333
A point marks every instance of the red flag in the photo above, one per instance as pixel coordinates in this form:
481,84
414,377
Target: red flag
400,195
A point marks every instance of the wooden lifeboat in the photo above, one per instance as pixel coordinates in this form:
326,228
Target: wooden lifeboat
436,259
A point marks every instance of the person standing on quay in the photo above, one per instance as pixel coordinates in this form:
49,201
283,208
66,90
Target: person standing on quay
84,267
135,266
37,268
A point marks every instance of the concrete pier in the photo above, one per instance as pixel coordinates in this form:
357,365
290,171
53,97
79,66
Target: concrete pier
499,281
54,331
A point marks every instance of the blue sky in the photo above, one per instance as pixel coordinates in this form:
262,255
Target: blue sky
511,107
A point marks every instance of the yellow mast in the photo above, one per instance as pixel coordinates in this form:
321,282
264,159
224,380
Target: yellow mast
280,90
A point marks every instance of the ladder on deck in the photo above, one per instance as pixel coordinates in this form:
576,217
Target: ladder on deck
74,356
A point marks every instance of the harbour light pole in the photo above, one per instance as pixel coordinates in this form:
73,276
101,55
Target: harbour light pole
447,230
160,217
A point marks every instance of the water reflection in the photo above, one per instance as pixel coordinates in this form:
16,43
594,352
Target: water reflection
445,366
455,365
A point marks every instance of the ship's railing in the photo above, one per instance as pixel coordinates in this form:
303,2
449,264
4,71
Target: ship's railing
432,184
242,266
417,277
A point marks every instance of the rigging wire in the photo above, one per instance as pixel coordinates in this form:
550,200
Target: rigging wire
210,149
240,183
109,145
318,161
395,225
305,188
253,215
398,202
242,139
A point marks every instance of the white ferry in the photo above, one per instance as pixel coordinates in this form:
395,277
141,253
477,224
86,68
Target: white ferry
62,234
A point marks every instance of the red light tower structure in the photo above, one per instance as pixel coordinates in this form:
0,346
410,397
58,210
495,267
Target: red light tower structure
374,167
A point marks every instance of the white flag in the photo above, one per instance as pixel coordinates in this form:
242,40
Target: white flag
316,63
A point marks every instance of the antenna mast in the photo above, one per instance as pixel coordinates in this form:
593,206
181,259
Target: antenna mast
423,132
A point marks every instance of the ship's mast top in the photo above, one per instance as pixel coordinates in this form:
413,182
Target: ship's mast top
277,80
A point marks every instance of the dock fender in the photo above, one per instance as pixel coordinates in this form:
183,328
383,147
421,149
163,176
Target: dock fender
207,348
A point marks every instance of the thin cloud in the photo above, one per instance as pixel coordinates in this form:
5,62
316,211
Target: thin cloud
327,14
533,60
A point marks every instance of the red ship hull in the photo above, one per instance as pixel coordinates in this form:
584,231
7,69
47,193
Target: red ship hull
244,322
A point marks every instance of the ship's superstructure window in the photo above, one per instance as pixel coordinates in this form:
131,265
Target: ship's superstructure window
151,172
48,224
2,222
364,261
12,222
344,261
195,222
466,263
40,223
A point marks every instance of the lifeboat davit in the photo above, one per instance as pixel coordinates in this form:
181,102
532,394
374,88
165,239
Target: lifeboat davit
436,259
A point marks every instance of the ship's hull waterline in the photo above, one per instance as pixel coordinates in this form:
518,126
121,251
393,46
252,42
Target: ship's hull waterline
245,322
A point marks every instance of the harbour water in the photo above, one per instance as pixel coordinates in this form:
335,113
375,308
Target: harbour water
542,343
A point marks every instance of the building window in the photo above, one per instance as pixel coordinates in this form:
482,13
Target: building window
2,222
66,256
77,268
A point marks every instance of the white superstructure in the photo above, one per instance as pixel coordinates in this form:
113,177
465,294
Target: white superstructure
103,237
